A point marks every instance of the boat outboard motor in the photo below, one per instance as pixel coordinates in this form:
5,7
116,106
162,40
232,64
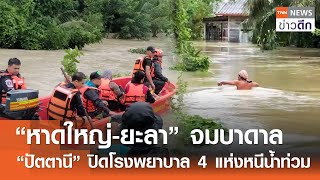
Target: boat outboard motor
22,104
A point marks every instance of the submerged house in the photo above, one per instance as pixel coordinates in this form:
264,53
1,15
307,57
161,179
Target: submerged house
226,24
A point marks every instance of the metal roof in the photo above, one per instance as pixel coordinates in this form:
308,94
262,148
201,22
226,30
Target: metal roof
232,8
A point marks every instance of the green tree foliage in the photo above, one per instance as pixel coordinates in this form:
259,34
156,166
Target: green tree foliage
70,60
9,25
126,19
48,24
159,11
197,10
262,22
190,58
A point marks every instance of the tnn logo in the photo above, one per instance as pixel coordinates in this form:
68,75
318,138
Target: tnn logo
299,12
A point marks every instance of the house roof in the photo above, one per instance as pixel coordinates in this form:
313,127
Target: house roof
232,8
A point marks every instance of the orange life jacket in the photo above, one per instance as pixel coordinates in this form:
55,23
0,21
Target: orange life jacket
88,104
134,94
138,66
59,107
106,92
18,83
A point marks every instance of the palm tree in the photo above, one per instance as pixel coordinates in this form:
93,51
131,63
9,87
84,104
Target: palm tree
262,20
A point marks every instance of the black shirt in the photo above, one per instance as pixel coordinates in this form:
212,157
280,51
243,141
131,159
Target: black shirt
93,96
146,62
6,84
76,102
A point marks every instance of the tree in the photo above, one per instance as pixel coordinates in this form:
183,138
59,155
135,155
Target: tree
159,12
262,22
48,24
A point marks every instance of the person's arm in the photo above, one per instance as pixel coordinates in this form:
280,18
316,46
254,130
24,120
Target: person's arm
81,111
98,103
158,72
233,83
116,89
149,78
254,84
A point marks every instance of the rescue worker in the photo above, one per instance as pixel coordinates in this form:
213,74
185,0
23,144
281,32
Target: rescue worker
10,79
158,78
136,91
91,97
66,102
145,64
111,92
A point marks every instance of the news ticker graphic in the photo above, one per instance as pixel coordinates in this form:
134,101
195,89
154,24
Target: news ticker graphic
295,19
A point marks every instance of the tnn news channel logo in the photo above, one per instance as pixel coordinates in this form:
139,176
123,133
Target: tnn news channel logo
295,19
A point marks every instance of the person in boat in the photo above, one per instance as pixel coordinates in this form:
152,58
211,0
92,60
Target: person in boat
66,102
140,117
136,91
10,79
158,78
145,64
91,97
111,92
242,83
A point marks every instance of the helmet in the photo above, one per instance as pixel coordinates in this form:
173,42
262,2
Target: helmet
158,53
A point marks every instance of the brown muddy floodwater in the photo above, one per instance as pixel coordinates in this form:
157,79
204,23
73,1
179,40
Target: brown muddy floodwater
289,98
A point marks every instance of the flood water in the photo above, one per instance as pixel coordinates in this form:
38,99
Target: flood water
288,99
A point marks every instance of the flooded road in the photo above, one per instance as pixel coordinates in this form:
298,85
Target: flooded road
288,99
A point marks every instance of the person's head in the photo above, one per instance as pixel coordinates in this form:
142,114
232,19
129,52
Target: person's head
243,75
78,79
107,74
138,77
14,66
158,54
95,78
150,51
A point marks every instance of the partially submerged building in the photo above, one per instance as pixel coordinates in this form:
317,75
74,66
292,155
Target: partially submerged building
225,25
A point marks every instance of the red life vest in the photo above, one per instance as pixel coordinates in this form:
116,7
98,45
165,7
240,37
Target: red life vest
88,104
134,94
59,107
18,83
138,66
106,92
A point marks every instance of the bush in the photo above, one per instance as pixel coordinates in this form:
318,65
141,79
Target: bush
70,60
55,37
138,50
192,60
187,123
81,33
268,41
32,36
